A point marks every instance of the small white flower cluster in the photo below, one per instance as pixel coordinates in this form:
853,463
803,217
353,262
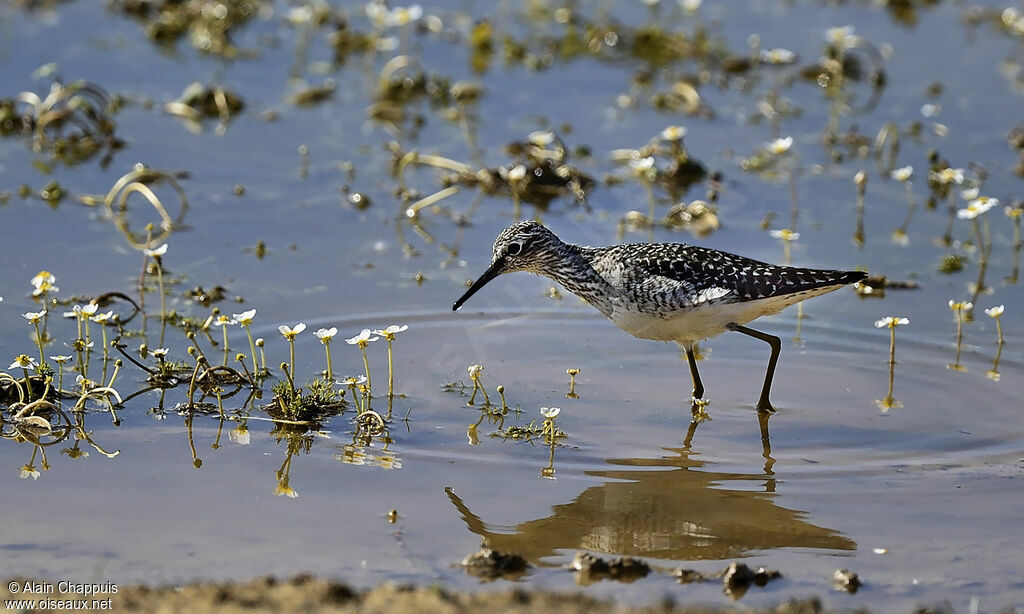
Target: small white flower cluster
891,322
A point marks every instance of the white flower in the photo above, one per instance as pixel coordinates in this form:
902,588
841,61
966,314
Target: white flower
785,234
159,251
159,352
353,380
969,194
550,412
284,489
34,316
377,13
673,133
290,333
690,5
517,173
475,370
777,56
44,282
642,166
60,359
223,320
947,176
85,383
995,312
386,43
43,278
362,338
103,318
245,318
902,174
325,334
401,16
23,361
239,435
891,321
28,471
780,145
390,332
960,306
541,138
839,36
89,310
977,207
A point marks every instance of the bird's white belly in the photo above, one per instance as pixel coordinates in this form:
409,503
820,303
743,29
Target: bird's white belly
704,321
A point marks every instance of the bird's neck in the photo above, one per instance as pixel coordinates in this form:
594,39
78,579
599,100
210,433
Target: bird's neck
572,268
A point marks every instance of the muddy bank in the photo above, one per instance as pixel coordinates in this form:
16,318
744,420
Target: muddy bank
308,594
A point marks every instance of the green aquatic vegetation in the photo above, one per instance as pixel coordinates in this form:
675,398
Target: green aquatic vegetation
208,30
952,263
539,172
318,400
199,102
665,163
71,124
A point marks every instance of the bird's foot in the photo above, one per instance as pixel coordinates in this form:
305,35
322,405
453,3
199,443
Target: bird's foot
698,409
765,406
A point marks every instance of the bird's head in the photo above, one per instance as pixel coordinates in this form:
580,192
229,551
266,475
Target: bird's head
523,246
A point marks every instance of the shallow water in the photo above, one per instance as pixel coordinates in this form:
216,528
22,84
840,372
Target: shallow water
922,500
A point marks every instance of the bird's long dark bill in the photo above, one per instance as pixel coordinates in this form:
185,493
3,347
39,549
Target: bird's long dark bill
489,274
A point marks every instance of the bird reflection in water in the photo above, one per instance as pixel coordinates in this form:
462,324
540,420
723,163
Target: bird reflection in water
675,508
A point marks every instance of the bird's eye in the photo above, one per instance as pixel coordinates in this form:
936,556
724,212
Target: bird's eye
513,249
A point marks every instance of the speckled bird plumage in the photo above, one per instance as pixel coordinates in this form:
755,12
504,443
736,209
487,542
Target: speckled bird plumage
664,291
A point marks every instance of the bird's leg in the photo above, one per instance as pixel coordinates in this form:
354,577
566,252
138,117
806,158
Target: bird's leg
763,404
697,402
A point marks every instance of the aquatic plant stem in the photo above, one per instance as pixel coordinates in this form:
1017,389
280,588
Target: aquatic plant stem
252,348
291,355
330,370
291,380
366,366
39,341
391,372
224,328
892,345
959,335
28,385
